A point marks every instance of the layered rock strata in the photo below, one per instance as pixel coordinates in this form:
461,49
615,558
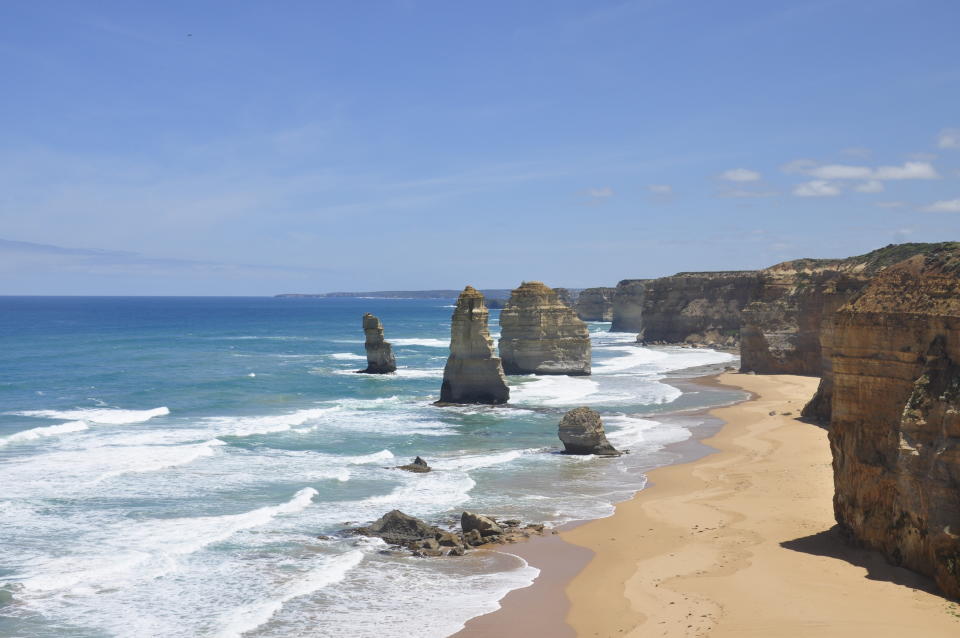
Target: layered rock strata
595,304
696,307
542,335
895,427
472,374
581,432
627,305
379,352
781,327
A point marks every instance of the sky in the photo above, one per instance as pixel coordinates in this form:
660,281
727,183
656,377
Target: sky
255,148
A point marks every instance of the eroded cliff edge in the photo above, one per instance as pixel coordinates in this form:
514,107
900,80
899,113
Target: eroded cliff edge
540,334
895,427
595,304
472,373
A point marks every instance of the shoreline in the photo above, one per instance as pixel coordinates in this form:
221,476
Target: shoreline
540,609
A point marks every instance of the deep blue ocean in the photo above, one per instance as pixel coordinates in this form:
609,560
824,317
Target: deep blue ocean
167,464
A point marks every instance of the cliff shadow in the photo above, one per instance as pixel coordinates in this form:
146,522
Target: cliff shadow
832,544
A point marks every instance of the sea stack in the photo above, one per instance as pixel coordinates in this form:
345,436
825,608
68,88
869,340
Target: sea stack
581,432
472,374
379,352
542,335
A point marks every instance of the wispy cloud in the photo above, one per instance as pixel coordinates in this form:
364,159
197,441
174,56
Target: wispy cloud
893,204
871,186
943,206
949,138
909,170
740,193
664,190
857,151
817,188
740,175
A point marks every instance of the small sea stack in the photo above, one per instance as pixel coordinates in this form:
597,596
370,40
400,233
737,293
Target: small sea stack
540,334
581,431
472,374
379,352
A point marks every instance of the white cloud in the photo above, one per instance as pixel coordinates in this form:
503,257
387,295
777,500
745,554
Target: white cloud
909,170
944,206
949,138
601,193
798,166
660,189
740,175
922,157
872,186
817,188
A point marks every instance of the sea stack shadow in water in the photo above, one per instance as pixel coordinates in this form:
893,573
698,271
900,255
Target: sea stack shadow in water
379,352
472,373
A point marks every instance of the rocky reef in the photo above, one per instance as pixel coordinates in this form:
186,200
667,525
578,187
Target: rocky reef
595,304
581,432
542,335
627,307
697,307
472,374
781,327
895,426
379,352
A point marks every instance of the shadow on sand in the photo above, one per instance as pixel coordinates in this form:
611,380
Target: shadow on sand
832,543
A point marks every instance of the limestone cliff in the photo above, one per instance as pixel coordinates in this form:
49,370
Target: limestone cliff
581,432
542,335
781,327
895,427
379,352
472,373
696,307
627,311
595,304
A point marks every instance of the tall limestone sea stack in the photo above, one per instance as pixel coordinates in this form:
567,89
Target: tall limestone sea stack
895,426
472,374
379,352
542,335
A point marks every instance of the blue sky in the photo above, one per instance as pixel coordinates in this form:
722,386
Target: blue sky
257,148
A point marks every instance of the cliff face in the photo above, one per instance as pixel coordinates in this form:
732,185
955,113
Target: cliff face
595,304
696,307
379,352
781,327
472,373
895,427
542,335
627,309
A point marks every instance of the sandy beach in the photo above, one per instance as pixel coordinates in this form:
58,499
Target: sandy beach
738,543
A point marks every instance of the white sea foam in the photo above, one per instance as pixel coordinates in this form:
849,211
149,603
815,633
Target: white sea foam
245,619
157,457
427,343
476,461
130,552
411,373
43,432
107,416
554,391
347,356
266,424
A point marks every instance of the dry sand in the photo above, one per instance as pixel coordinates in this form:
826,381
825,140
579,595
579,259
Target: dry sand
742,543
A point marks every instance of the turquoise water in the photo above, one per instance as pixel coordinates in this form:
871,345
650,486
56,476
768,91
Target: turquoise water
168,463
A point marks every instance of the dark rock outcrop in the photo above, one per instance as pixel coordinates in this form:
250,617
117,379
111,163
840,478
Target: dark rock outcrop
418,466
595,304
379,352
483,525
895,426
581,431
627,305
781,327
472,374
542,335
697,307
397,528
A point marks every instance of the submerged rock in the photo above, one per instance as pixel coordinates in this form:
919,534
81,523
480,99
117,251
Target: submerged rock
397,528
541,334
418,465
379,352
472,374
581,432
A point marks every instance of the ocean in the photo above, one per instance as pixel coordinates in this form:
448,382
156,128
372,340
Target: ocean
168,464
